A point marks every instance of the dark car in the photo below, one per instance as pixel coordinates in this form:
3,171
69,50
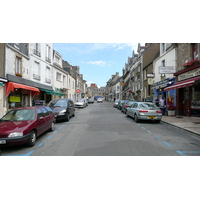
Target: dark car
120,103
62,108
24,125
127,104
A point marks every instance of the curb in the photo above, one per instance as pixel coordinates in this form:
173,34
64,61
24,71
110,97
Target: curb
196,133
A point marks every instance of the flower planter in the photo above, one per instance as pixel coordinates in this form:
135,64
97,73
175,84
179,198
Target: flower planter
171,112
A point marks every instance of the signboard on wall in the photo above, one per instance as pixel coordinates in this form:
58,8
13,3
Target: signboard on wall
167,70
189,74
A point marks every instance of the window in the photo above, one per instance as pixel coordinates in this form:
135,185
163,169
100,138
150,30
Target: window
47,75
18,67
194,51
58,76
48,55
36,49
69,83
57,59
64,79
163,63
36,71
163,47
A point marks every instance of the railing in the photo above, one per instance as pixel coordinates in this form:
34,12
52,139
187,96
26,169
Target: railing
35,51
47,80
37,77
47,59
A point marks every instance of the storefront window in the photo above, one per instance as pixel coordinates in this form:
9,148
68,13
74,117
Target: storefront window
195,103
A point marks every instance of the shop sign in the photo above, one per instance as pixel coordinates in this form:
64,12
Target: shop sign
14,99
189,74
167,70
150,81
161,83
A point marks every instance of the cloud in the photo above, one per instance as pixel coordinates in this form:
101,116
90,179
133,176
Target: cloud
100,62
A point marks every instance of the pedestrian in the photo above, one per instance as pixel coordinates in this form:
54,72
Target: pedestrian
165,105
157,101
161,105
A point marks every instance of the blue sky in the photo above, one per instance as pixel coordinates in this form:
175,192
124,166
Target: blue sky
97,61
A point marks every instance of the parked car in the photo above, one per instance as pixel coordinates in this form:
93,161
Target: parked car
24,125
115,104
91,100
120,104
144,111
62,108
81,103
99,100
127,104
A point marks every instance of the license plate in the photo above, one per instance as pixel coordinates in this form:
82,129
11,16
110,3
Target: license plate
151,117
2,141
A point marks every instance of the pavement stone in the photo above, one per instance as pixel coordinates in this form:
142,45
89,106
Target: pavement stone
191,124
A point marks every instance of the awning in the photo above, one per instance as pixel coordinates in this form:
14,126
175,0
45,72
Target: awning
1,84
51,92
183,84
10,86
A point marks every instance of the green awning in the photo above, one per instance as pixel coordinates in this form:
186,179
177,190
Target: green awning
51,92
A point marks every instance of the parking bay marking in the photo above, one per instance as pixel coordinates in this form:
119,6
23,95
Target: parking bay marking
184,152
28,154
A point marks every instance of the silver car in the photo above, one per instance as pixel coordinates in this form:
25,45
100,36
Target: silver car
80,103
144,111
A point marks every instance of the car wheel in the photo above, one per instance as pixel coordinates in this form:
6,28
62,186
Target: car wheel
32,139
157,121
136,118
127,114
52,126
73,114
67,117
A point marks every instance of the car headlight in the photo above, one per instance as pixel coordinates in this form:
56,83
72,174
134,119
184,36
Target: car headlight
15,134
62,112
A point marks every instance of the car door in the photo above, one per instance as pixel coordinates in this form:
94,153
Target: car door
40,121
131,110
71,107
135,105
47,119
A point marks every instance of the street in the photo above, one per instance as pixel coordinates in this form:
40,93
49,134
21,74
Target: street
102,130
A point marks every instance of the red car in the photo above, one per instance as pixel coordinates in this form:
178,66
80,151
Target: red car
24,125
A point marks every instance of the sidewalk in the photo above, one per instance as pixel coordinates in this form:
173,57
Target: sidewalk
191,124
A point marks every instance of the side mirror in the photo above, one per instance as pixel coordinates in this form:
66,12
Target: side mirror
40,118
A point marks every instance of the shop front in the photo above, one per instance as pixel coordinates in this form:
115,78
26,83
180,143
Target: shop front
159,90
19,95
188,92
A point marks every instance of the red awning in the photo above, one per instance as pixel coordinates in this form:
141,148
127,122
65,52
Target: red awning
10,86
182,84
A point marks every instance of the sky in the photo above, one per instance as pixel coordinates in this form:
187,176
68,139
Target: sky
97,61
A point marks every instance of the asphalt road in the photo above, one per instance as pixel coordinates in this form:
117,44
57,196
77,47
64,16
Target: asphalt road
102,130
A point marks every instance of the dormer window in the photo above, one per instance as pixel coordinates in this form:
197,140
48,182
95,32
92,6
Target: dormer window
163,47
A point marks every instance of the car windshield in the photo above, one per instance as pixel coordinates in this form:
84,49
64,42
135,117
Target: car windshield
80,100
57,103
19,115
148,105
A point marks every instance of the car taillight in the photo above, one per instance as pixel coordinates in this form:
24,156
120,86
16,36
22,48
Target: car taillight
158,111
126,105
143,110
